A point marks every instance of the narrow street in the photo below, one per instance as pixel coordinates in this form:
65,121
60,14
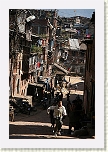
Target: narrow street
34,126
37,124
51,58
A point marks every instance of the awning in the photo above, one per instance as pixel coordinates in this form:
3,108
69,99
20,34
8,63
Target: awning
36,84
61,68
60,73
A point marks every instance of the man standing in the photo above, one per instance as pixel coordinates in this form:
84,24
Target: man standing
76,87
59,115
50,111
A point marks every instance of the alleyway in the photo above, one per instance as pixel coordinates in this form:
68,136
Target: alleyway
34,126
48,52
37,124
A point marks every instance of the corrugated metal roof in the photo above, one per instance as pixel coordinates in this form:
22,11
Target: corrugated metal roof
70,30
74,44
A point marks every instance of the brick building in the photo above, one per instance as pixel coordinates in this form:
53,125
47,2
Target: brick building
19,50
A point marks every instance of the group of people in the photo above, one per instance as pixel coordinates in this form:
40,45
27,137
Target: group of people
48,95
58,112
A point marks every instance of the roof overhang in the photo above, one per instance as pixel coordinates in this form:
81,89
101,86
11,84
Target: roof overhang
36,84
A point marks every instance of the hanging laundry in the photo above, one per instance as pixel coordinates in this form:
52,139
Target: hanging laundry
38,64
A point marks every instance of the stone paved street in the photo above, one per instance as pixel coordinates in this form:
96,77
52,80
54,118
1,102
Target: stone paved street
37,124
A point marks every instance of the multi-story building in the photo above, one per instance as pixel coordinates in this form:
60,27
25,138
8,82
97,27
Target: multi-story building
19,50
42,46
72,56
77,52
32,43
45,27
89,84
70,51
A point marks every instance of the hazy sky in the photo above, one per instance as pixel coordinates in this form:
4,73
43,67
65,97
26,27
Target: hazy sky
75,12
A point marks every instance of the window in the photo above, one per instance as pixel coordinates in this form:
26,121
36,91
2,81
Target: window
18,86
22,82
19,71
73,53
24,91
19,64
81,69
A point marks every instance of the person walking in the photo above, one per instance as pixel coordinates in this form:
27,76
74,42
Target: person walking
76,87
52,92
68,95
60,96
50,111
59,115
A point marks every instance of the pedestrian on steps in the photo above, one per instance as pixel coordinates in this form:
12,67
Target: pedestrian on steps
50,111
59,115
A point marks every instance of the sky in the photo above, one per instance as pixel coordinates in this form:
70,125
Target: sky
75,12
